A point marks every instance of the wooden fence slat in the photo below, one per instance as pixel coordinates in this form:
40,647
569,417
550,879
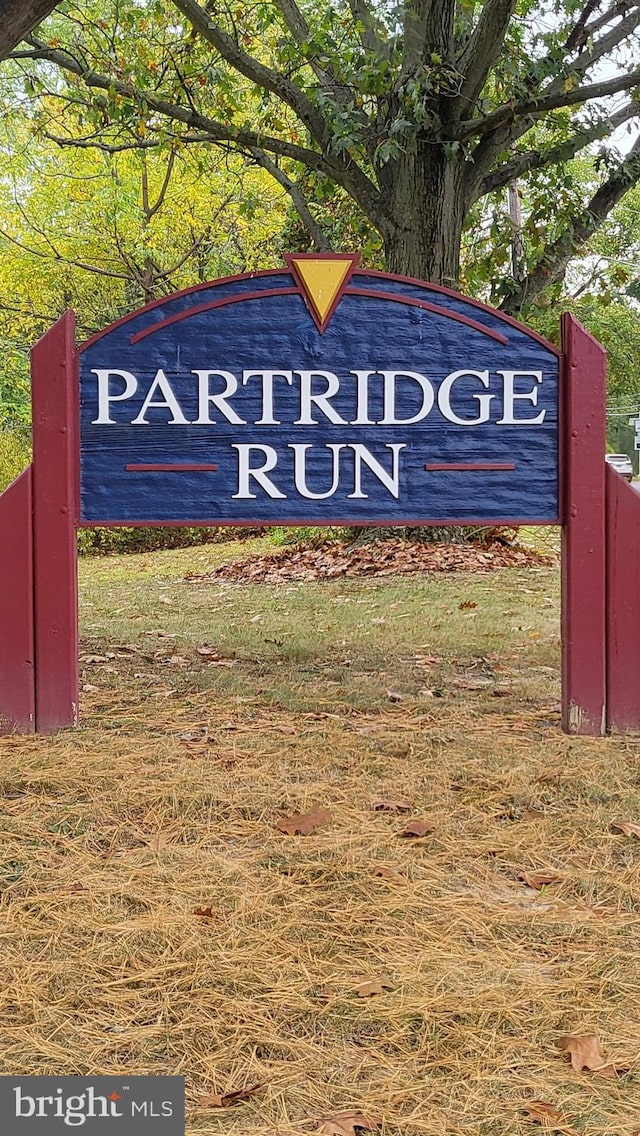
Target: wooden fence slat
55,513
17,691
583,532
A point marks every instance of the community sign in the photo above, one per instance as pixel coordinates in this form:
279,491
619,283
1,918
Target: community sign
320,393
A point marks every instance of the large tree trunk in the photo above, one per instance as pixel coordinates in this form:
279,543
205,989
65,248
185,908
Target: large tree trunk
425,199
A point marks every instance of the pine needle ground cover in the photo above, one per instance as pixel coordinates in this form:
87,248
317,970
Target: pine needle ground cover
322,848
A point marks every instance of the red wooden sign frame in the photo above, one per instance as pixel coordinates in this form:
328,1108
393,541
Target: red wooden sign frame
600,517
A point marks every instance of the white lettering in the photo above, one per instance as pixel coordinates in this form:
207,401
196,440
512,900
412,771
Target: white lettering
218,400
300,470
390,481
105,399
320,400
267,393
362,412
510,396
260,474
483,400
428,397
21,1100
161,384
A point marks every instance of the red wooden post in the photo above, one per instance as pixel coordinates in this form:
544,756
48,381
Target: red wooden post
583,532
623,604
17,693
55,512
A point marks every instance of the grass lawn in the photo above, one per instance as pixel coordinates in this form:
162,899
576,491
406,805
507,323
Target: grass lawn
212,710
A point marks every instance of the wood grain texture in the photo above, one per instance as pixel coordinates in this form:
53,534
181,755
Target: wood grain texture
623,603
246,324
18,18
55,496
583,534
17,690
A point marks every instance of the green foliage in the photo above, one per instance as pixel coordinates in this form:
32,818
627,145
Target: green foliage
15,454
102,542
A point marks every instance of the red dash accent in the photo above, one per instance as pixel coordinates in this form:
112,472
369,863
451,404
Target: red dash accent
428,307
186,467
208,307
432,466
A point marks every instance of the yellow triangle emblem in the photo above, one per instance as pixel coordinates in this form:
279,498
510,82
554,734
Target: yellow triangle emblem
322,280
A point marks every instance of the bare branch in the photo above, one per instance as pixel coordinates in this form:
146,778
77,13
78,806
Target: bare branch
363,16
484,46
57,256
577,35
315,230
577,232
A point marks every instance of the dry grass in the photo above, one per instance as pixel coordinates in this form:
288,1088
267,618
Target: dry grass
112,835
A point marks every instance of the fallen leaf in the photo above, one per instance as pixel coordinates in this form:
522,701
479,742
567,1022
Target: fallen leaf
225,1100
199,735
387,873
417,828
467,605
628,827
538,880
391,806
204,912
585,1053
159,841
548,1116
531,814
394,696
301,824
370,986
75,887
345,1124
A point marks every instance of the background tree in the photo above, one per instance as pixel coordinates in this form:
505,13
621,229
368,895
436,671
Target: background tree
418,111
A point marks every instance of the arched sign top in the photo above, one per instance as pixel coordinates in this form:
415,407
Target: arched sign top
293,260
318,393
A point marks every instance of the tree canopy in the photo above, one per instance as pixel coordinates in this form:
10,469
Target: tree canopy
421,113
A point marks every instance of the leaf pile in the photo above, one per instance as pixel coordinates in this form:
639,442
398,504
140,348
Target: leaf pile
393,557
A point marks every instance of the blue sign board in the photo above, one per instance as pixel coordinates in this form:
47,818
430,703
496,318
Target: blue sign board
318,394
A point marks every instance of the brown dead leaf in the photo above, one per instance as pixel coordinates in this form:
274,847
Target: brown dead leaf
159,841
416,829
585,1053
345,1124
204,912
548,1116
467,605
374,985
301,824
538,880
628,827
392,806
225,1100
387,873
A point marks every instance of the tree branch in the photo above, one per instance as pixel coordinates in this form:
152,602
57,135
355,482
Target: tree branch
535,107
551,269
17,19
363,16
428,27
484,46
315,230
537,159
255,71
341,168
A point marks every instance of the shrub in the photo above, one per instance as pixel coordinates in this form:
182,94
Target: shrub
15,454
